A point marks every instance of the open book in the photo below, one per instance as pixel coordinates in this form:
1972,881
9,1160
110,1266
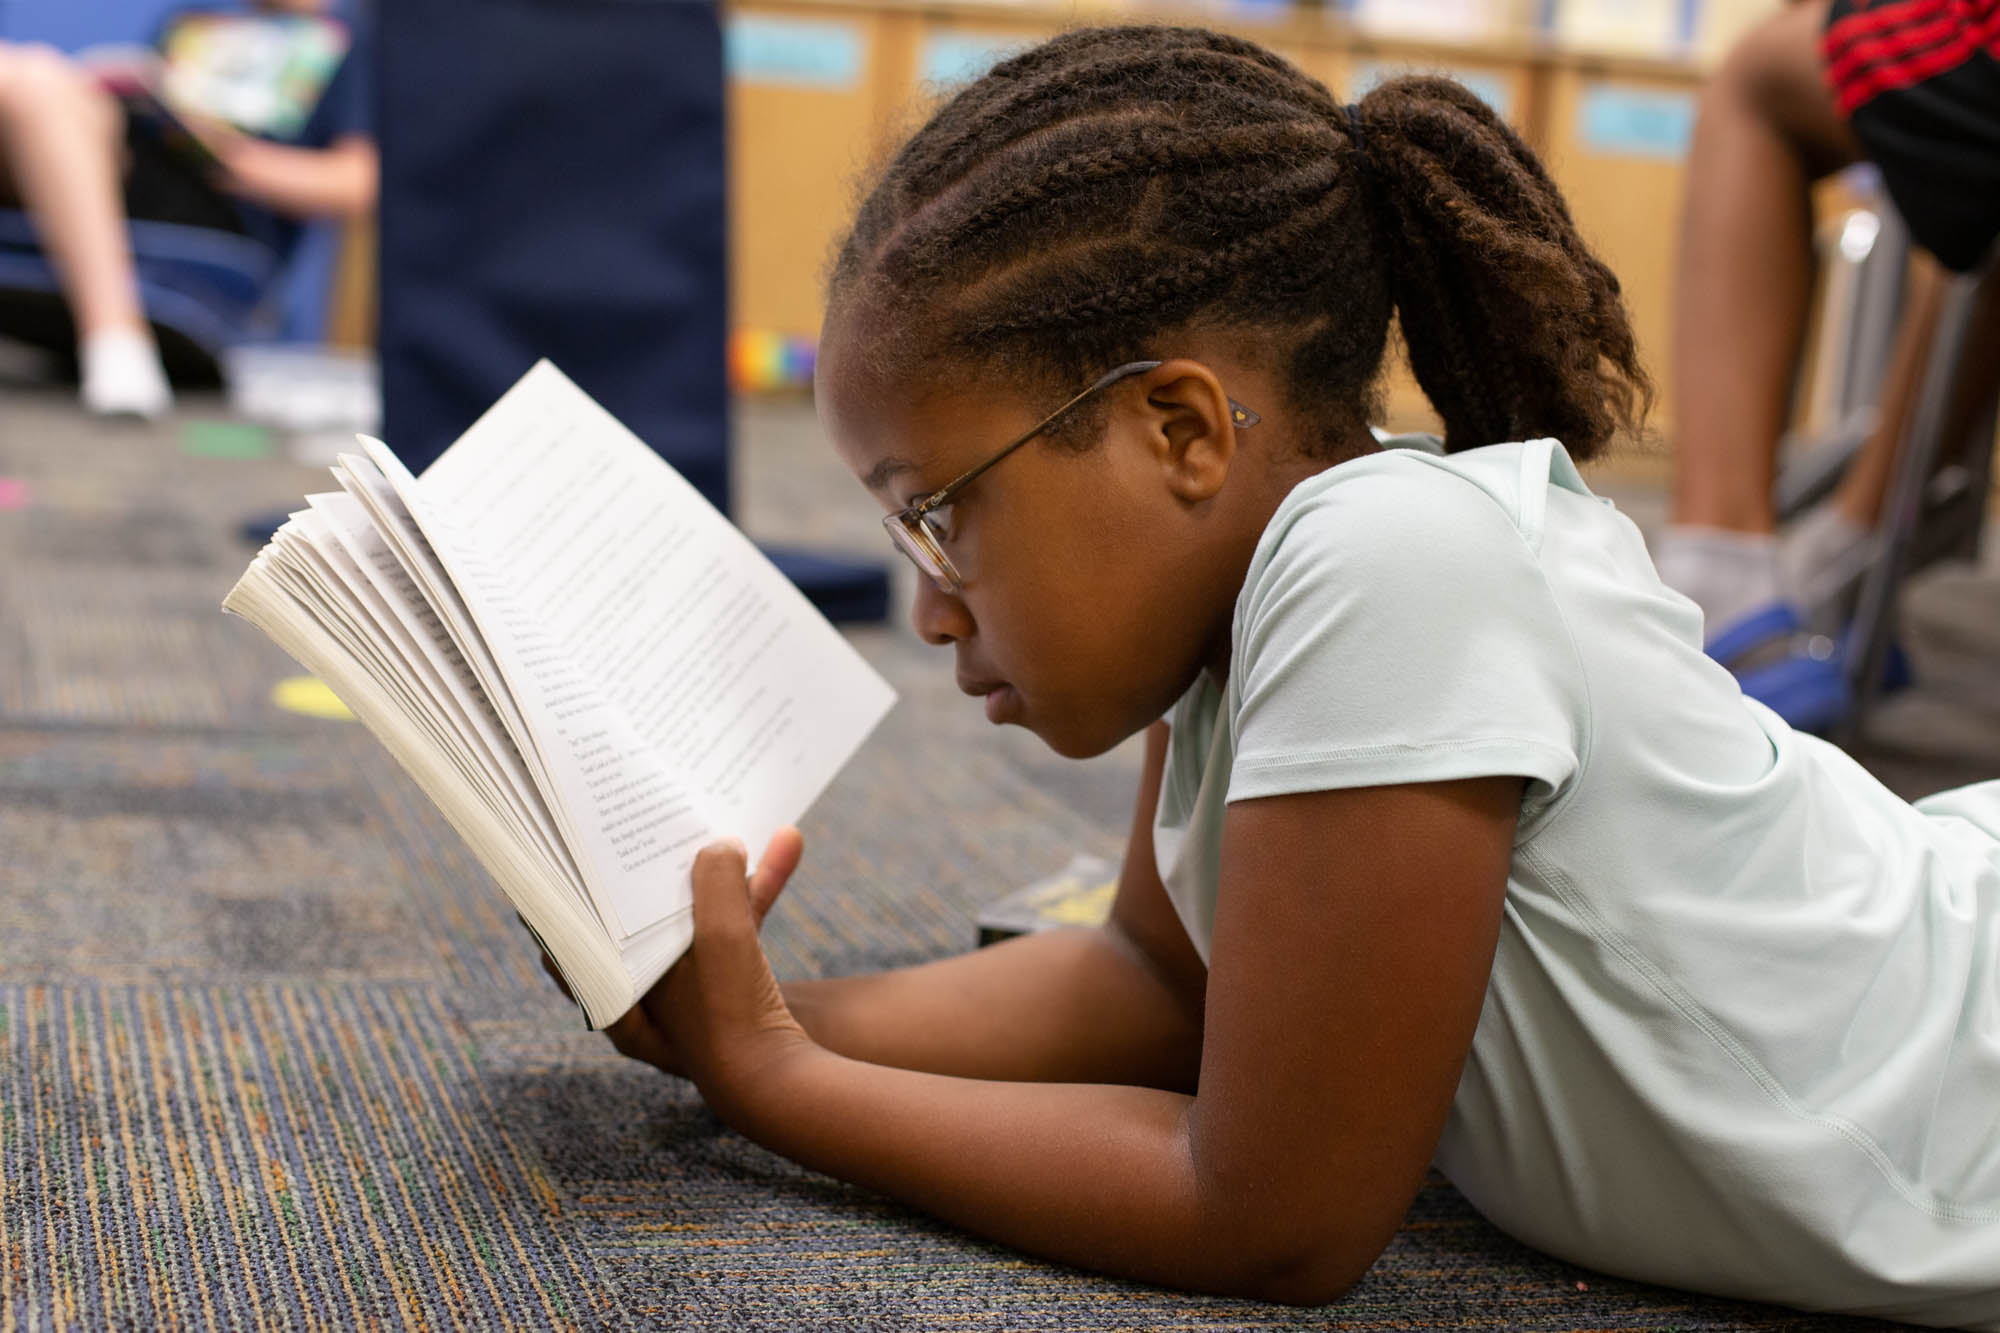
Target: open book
588,669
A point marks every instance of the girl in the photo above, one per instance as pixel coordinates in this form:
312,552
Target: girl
1451,845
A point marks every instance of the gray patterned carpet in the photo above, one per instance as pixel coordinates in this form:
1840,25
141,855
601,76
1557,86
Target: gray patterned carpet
274,1054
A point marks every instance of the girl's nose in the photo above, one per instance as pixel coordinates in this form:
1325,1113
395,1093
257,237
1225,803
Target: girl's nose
937,616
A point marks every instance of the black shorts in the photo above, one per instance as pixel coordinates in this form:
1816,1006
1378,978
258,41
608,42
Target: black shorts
166,184
1919,82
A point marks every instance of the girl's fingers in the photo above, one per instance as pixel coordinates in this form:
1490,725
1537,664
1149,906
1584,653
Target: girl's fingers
774,869
722,1000
636,1038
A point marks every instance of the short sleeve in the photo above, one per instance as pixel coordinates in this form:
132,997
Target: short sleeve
347,107
1396,627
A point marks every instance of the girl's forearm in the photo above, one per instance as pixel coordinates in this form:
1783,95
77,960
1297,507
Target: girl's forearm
304,182
1075,1005
1096,1176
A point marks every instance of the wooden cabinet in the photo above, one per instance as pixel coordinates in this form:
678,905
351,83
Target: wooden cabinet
821,90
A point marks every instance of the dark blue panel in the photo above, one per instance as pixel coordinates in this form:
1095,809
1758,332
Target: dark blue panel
553,186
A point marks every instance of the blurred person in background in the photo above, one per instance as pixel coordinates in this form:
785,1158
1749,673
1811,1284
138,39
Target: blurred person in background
1913,87
86,145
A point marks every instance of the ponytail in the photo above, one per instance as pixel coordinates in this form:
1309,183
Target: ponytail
1512,326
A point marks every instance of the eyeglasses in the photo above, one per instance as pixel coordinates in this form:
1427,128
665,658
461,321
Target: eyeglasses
917,534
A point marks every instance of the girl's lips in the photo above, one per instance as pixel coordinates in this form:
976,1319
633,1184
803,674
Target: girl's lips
1001,699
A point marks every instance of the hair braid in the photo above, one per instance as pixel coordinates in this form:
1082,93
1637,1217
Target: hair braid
1483,244
1094,193
1150,151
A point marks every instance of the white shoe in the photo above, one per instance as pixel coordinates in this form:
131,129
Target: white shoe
122,375
1728,574
1822,558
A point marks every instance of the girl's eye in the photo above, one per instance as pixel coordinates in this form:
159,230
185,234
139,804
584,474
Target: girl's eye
939,522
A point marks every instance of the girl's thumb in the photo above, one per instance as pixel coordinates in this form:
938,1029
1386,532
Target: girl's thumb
721,896
774,869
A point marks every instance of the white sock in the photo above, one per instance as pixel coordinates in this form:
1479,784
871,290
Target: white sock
1727,574
122,374
1820,560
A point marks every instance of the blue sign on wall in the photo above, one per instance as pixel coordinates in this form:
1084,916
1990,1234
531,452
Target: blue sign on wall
952,59
1628,121
795,53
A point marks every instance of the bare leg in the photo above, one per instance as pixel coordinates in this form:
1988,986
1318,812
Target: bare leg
1767,128
61,138
61,141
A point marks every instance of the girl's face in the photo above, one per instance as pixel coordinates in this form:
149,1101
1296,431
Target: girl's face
1096,584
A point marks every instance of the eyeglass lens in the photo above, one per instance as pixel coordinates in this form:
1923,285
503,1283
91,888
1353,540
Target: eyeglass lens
923,553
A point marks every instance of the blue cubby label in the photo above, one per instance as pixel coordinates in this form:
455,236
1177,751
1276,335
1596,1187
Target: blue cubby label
951,59
1627,121
797,53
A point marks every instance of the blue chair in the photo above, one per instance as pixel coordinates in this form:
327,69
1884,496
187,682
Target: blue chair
202,290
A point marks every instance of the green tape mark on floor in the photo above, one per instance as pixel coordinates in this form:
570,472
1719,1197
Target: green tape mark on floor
225,439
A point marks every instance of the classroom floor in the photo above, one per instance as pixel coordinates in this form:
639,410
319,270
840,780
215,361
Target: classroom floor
273,1052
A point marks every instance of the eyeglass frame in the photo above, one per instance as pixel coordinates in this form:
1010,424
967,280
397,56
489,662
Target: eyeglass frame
916,540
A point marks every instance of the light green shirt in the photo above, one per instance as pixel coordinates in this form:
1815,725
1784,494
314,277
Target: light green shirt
1742,1033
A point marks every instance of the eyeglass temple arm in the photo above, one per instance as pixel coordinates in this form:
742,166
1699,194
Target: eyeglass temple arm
1104,381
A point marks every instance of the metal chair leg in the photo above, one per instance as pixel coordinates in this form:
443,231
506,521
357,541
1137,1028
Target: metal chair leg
1873,628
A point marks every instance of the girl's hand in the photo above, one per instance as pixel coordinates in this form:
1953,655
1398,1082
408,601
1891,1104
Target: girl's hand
743,904
222,141
719,1010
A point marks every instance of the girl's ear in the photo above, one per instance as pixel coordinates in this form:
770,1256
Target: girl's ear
1189,428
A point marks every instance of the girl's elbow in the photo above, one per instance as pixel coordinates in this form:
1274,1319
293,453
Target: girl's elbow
358,196
359,167
1307,1281
1296,1269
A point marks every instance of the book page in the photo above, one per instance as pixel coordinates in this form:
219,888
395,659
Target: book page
348,539
678,687
653,817
622,811
365,484
307,564
303,604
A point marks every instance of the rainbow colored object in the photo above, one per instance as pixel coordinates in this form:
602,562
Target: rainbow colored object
763,360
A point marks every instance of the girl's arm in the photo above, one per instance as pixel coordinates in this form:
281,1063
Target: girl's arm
1353,936
1116,1004
338,181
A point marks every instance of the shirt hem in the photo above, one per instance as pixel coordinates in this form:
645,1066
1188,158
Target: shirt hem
1388,765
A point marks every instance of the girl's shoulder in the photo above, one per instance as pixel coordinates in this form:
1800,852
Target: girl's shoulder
1397,625
1413,506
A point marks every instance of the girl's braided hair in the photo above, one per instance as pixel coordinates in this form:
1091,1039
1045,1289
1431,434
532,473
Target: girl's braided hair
1089,197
